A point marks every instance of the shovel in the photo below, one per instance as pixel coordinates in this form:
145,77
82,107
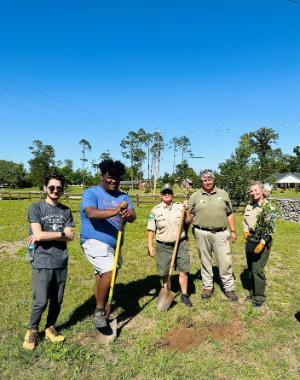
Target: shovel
105,335
166,296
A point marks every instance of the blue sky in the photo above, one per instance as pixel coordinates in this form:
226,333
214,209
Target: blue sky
210,70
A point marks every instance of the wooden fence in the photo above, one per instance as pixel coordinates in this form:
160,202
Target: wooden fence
39,195
32,195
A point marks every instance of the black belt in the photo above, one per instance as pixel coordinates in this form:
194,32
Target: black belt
169,244
213,230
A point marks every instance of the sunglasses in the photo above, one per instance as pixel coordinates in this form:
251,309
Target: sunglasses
58,189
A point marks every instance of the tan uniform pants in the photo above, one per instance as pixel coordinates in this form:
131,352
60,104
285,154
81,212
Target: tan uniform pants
209,243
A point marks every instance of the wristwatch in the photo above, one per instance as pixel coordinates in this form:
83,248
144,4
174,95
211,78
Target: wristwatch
62,235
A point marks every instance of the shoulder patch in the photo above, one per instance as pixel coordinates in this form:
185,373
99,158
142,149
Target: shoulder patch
151,216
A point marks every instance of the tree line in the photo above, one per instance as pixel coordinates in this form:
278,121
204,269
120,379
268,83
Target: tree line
255,158
138,147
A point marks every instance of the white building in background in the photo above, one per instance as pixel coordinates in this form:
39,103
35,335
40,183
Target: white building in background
284,180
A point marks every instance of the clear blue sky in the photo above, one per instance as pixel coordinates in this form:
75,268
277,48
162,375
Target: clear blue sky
211,70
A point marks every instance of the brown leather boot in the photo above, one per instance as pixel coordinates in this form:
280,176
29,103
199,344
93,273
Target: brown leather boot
206,293
31,339
232,295
54,336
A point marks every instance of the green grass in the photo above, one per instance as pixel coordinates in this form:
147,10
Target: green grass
288,193
267,345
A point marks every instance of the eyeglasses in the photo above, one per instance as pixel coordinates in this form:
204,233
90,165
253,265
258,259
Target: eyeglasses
58,189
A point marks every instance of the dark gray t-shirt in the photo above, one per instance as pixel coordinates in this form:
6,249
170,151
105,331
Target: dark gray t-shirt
50,254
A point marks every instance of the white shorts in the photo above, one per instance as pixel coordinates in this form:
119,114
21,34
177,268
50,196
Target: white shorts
100,255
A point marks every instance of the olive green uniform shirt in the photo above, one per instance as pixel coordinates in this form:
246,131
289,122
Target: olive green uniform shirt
165,221
210,210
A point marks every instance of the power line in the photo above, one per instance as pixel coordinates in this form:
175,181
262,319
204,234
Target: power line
56,99
40,102
30,112
44,117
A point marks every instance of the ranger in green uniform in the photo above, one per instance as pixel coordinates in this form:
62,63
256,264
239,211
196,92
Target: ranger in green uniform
258,225
164,221
212,212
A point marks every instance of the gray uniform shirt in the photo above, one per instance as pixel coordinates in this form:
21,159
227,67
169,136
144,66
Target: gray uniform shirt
50,254
165,221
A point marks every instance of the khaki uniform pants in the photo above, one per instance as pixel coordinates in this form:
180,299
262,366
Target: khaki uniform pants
209,243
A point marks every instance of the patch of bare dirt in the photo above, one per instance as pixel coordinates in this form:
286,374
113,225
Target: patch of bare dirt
186,336
91,339
84,338
11,247
138,323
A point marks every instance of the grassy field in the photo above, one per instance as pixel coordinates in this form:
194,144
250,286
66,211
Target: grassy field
213,340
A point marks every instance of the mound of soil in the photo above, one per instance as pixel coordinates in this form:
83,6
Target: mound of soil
184,338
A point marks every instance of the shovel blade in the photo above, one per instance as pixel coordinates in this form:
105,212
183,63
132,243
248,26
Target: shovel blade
164,299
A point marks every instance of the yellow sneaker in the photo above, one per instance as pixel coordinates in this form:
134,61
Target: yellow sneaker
53,335
30,340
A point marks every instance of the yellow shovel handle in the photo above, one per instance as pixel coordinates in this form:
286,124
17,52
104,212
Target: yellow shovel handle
115,264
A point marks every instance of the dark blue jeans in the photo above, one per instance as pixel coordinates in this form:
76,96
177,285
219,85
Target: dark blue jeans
47,285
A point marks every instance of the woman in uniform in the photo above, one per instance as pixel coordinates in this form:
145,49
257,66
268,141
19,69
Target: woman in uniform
258,224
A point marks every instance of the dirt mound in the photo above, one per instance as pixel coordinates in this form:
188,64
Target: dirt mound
184,338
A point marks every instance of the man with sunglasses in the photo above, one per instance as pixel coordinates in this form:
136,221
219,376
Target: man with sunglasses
51,227
101,210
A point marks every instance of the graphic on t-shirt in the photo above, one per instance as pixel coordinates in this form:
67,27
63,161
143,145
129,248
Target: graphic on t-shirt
53,222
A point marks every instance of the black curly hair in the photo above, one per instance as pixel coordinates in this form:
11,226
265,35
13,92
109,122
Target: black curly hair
114,168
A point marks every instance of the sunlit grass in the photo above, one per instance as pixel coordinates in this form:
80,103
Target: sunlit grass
268,347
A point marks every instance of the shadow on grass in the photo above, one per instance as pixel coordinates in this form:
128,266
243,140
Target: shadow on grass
127,296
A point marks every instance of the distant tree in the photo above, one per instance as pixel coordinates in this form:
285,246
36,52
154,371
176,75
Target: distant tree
261,141
184,145
95,166
174,143
295,160
184,171
105,156
236,173
85,145
168,178
66,169
13,175
80,177
156,150
146,139
132,151
42,163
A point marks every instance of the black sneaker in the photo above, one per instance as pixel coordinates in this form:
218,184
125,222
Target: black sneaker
185,299
99,319
257,305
